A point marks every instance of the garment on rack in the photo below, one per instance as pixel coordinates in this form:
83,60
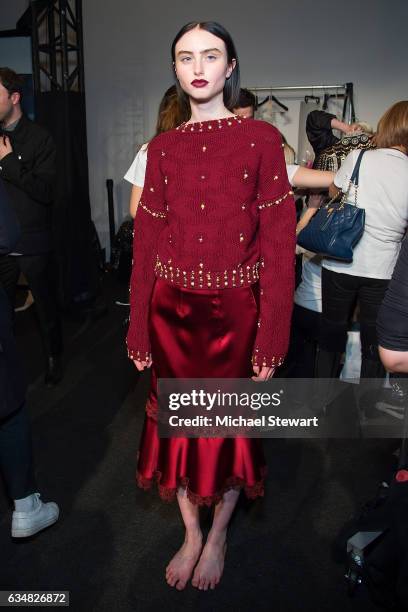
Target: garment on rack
266,112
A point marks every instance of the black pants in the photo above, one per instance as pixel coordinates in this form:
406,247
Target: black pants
16,461
340,292
40,272
304,336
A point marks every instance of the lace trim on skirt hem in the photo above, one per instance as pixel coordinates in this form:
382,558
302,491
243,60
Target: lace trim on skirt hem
233,482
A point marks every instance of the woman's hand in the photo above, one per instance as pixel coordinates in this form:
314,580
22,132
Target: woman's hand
315,202
141,365
262,374
344,127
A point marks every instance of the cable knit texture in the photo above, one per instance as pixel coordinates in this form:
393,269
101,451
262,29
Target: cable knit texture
217,212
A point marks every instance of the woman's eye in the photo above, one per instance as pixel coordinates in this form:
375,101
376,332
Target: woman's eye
184,60
211,57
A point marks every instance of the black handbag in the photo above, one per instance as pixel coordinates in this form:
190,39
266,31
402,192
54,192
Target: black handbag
337,226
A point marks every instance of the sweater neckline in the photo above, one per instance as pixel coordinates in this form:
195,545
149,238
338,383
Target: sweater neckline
211,125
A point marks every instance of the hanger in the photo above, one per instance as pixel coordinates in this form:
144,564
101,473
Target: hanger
312,97
273,99
279,103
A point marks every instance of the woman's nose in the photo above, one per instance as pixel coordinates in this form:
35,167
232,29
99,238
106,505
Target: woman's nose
198,67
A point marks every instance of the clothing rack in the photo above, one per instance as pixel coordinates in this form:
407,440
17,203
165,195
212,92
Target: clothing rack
347,92
299,87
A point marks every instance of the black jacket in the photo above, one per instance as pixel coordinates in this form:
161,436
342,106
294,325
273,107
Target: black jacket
29,173
12,383
319,131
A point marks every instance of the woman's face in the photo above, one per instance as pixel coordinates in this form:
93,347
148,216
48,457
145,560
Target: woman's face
201,64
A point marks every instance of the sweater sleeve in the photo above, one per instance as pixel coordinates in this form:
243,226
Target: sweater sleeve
149,221
277,234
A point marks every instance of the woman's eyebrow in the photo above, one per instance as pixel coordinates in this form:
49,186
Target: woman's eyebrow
208,50
205,51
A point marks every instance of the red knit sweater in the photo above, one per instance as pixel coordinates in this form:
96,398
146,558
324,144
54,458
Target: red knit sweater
217,212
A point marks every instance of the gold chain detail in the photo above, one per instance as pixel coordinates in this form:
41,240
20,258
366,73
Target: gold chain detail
274,202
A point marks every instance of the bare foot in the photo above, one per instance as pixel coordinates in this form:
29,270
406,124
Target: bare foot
209,569
181,566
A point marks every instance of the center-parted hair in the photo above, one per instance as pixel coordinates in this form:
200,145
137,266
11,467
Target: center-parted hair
232,84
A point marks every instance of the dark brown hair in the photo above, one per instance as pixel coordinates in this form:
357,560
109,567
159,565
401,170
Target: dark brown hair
232,85
11,81
392,128
172,111
246,98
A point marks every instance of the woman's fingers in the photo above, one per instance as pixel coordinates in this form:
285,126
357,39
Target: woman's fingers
262,374
141,365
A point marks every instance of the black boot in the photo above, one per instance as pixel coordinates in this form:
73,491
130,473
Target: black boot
53,372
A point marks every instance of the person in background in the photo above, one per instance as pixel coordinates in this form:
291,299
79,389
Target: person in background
383,193
30,514
392,321
246,105
28,168
319,130
299,176
392,330
172,112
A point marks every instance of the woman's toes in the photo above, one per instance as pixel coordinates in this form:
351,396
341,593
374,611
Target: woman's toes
180,585
195,580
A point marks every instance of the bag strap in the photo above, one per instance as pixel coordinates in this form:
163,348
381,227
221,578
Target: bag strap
356,172
354,178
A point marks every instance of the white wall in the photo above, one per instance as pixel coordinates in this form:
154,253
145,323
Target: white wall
114,100
284,42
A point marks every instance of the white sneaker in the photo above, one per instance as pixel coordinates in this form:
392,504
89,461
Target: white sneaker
25,524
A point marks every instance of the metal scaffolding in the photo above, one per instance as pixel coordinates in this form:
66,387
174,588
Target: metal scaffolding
57,45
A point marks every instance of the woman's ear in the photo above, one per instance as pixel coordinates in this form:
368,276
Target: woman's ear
231,67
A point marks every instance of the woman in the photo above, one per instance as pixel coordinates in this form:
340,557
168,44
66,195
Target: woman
392,322
216,200
171,114
383,193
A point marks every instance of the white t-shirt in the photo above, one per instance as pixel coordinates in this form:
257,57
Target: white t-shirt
137,171
291,169
309,292
383,193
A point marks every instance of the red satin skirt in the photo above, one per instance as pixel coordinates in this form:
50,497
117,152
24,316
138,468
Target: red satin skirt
201,333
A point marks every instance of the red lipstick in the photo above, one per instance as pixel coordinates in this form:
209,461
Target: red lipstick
199,83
